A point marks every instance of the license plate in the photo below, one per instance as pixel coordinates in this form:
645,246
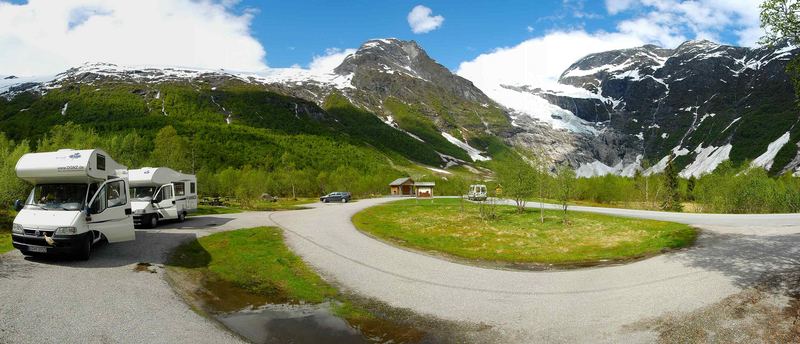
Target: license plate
40,249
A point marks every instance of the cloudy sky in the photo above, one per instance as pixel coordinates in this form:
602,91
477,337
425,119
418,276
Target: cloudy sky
514,41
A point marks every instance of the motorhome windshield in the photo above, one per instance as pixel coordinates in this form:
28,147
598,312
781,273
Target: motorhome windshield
143,193
58,196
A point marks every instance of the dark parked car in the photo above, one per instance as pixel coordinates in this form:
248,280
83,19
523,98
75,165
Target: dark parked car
343,197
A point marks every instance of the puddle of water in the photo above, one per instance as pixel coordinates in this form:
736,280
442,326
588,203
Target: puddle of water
297,324
264,319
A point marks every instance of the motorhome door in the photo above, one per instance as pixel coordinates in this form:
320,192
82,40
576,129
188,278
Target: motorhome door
165,202
110,210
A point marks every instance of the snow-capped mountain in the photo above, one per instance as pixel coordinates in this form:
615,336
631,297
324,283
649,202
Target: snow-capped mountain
698,104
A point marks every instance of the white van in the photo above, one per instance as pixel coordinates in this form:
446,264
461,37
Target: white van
477,192
161,193
79,197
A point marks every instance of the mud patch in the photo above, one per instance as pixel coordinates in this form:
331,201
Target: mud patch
144,267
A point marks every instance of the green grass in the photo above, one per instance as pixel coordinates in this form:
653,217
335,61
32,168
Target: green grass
214,210
257,260
440,226
237,207
281,204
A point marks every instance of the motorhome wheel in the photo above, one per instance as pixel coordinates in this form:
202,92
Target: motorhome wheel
86,249
153,221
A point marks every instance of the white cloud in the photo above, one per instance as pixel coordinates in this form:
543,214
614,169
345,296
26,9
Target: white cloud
616,6
693,18
421,20
540,60
45,37
333,58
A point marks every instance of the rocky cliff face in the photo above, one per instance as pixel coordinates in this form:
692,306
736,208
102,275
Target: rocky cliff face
699,104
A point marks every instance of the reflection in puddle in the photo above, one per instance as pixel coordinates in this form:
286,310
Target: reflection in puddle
280,320
291,324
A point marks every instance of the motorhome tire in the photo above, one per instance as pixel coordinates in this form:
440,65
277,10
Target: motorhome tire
181,217
153,221
86,249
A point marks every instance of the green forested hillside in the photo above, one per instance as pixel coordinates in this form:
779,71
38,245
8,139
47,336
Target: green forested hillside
274,143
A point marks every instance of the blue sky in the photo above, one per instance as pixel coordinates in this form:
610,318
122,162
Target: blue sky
476,38
293,31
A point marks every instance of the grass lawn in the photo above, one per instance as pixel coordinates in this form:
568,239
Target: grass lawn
441,227
236,207
281,204
688,207
256,260
253,266
214,210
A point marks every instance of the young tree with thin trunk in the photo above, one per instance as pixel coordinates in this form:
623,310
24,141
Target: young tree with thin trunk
565,187
519,184
672,199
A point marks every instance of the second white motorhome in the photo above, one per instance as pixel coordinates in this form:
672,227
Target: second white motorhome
79,197
477,192
160,193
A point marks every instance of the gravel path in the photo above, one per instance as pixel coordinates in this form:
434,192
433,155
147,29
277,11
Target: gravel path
587,305
104,300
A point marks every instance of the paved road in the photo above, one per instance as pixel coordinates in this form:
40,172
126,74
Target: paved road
588,305
104,300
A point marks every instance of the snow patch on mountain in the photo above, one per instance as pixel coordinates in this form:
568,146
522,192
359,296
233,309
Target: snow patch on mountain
523,103
707,160
473,153
765,160
661,165
158,74
730,124
599,169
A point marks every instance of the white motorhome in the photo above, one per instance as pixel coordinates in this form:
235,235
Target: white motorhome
79,197
160,193
477,192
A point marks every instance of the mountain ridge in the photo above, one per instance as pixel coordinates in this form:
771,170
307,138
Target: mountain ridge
615,109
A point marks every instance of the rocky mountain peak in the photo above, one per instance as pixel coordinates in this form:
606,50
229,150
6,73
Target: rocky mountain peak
390,55
400,69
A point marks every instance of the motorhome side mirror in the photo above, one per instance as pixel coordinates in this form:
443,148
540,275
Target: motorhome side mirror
18,205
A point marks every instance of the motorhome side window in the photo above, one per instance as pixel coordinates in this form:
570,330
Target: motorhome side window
180,189
115,195
191,188
164,194
101,162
